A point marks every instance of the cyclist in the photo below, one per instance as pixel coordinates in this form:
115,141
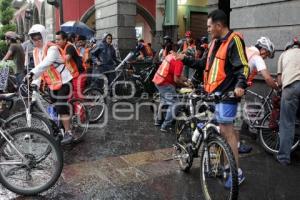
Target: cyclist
49,64
73,62
225,69
16,53
167,77
188,47
263,49
104,56
145,51
288,76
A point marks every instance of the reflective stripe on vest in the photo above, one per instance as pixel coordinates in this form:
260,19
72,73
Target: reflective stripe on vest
51,76
250,53
214,74
71,64
163,70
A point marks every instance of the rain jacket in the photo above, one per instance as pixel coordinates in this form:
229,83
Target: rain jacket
105,53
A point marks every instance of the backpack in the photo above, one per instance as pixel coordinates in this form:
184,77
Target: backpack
79,64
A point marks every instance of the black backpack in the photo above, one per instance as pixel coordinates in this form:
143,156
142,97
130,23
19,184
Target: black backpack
79,64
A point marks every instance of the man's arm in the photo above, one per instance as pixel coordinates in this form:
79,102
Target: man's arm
238,59
7,56
193,63
279,70
51,58
9,53
269,79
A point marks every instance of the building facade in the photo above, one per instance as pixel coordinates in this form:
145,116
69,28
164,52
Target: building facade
127,20
276,19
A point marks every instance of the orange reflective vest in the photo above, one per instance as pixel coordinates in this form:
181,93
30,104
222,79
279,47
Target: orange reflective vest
85,57
51,76
186,47
250,53
71,64
163,70
214,73
148,50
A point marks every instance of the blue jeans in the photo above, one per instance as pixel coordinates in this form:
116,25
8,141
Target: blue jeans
167,97
19,78
288,110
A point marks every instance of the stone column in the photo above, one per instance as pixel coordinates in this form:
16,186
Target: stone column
118,18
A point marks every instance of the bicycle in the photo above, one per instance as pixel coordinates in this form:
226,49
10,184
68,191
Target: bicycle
257,117
127,84
35,103
197,134
31,161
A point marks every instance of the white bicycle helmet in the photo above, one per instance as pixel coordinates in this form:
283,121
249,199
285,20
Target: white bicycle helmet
265,42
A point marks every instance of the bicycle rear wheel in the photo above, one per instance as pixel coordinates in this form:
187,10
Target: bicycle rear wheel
270,138
38,170
79,119
217,166
95,104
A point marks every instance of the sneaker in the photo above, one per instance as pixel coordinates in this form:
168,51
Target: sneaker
228,182
157,123
243,149
68,138
282,162
164,130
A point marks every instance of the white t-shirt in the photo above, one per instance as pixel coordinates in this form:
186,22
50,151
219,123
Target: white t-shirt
256,62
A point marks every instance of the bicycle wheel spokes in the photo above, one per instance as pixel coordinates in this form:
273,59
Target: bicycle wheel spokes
218,171
95,103
38,171
79,120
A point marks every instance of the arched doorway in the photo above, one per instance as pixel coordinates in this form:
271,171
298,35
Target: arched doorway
42,15
36,18
145,24
89,18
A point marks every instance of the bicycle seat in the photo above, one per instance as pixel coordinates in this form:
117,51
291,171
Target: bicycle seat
7,96
185,90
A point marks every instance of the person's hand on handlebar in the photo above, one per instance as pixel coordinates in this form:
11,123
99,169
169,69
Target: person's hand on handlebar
28,78
239,92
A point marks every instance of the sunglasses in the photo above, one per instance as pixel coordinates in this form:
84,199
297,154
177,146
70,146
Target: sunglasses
35,39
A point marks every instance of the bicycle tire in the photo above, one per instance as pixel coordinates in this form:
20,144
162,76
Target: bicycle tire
183,138
215,138
37,120
270,138
47,140
79,119
96,112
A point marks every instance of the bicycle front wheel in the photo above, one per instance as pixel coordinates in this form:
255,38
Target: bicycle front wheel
32,164
219,176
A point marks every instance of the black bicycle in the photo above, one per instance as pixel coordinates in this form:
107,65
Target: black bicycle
128,84
197,134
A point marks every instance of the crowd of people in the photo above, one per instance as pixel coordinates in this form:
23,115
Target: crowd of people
223,65
228,65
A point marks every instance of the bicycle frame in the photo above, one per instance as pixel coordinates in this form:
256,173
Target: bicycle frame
2,133
265,103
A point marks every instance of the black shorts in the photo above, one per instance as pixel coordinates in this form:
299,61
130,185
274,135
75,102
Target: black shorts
60,98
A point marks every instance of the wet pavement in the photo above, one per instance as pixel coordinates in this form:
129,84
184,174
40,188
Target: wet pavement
132,159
